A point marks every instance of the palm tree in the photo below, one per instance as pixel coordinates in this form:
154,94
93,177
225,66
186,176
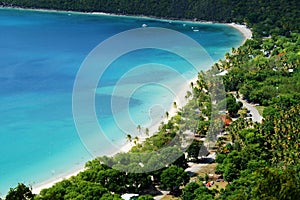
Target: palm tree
139,128
175,104
136,139
188,94
129,138
192,85
227,56
147,131
161,125
167,114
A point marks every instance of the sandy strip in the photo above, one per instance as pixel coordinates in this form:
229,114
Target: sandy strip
242,28
247,33
180,99
36,189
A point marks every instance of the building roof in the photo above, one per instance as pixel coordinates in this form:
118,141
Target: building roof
129,196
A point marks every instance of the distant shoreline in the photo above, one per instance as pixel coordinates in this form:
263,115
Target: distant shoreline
242,28
247,34
108,14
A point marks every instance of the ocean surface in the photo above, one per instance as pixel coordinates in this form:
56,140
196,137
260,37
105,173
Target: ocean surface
40,55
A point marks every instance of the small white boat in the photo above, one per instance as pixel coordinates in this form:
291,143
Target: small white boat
144,25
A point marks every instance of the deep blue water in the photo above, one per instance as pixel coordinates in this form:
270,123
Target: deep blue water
40,55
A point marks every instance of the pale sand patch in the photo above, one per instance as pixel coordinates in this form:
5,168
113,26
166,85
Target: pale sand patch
247,33
180,99
36,189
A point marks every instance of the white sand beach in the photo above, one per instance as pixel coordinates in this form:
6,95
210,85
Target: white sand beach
36,189
247,33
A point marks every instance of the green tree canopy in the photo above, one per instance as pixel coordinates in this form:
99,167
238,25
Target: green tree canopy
173,177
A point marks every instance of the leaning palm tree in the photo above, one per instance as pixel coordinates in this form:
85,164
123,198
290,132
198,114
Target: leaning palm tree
227,56
175,104
167,114
147,131
136,139
233,50
188,94
129,138
192,85
139,128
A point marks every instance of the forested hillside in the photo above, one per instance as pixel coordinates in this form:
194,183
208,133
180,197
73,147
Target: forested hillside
260,15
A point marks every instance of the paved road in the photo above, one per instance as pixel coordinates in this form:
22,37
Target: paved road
256,117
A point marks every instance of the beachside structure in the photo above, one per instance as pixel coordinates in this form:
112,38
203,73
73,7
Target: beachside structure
130,196
223,73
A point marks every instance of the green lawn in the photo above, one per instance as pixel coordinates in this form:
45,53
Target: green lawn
260,109
219,185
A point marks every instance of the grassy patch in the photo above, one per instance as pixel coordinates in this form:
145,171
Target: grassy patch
170,197
219,185
208,169
260,109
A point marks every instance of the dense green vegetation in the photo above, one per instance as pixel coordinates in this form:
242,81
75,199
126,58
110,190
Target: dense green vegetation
261,161
265,70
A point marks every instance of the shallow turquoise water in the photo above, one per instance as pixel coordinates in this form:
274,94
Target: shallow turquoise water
40,54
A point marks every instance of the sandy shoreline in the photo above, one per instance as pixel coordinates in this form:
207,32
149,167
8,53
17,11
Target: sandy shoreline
37,188
242,28
247,33
180,99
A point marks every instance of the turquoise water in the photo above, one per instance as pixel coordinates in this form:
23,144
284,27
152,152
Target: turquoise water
40,54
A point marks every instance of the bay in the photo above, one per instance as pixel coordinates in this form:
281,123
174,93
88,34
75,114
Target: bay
40,55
